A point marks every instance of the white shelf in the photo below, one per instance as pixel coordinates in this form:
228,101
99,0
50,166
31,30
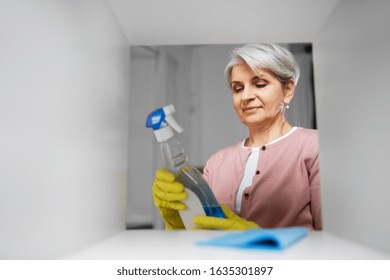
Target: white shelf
160,244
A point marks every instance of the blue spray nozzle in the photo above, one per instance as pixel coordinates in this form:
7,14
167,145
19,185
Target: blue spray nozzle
163,117
156,119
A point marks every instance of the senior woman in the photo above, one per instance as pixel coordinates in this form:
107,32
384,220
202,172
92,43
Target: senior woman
271,178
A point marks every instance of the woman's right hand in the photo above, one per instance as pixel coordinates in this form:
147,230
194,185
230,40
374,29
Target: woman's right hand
168,194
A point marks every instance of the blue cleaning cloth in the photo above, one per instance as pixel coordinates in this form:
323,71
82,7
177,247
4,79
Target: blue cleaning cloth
270,239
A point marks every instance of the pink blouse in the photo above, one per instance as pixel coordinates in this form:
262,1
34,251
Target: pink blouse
285,190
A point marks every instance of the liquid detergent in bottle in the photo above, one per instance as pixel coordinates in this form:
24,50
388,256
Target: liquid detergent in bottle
200,199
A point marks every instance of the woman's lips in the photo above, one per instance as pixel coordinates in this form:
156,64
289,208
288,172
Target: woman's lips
251,108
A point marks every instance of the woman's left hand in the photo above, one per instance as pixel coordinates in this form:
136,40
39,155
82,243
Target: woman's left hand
231,222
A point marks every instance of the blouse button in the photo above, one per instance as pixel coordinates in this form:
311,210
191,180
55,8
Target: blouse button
246,195
263,148
257,172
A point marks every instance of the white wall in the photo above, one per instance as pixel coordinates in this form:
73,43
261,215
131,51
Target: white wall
178,22
302,110
64,68
351,58
142,150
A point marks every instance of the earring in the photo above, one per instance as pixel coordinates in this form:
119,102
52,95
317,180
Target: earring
286,106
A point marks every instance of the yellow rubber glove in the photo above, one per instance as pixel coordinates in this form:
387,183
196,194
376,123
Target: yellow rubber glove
231,222
167,194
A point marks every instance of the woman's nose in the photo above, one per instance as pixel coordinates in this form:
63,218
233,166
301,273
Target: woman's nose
247,94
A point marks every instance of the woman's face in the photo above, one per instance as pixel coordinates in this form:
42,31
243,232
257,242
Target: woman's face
258,99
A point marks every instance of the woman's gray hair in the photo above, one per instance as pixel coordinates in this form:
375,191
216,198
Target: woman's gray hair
279,61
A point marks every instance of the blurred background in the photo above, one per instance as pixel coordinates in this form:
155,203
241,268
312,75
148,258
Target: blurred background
192,78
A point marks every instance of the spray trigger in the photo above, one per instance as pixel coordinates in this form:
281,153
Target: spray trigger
169,110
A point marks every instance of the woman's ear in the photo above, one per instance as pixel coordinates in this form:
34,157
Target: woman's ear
288,91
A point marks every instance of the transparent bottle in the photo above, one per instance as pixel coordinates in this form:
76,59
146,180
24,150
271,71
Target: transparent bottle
174,159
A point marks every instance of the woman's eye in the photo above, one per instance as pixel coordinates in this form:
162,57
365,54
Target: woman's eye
237,89
260,85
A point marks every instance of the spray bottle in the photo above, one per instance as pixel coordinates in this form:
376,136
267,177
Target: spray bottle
200,199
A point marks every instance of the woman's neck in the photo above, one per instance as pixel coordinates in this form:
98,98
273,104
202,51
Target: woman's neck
261,135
